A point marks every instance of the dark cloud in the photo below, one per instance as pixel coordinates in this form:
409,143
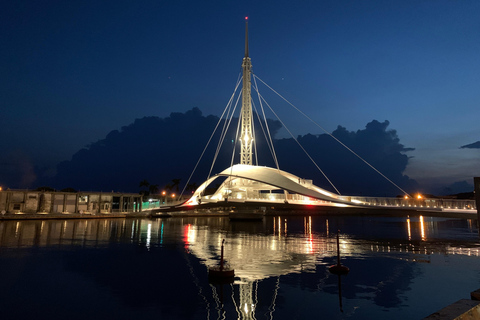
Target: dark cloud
151,148
162,149
475,145
375,144
456,187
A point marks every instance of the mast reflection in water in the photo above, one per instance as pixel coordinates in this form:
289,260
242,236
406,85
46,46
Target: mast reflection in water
150,269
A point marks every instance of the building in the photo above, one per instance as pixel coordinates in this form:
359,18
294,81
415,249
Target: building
31,201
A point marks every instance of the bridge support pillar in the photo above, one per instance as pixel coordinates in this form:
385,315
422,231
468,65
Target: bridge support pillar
476,193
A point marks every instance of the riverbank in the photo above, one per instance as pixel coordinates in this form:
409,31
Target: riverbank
278,211
62,216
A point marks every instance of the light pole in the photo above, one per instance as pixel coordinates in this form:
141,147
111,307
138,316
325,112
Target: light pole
164,194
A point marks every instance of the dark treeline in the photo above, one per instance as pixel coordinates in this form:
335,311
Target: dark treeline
161,149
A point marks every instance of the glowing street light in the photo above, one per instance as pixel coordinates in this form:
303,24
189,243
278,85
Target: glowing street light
164,193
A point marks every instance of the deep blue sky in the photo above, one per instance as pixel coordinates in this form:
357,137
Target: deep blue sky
72,71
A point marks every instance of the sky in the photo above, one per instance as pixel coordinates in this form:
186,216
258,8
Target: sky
72,71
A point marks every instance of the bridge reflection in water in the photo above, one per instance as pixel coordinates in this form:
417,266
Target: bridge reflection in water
277,248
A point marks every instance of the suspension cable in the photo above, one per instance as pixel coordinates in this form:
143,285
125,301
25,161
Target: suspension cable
210,139
283,124
272,149
223,135
265,134
331,135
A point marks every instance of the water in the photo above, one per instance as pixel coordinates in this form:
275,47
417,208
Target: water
400,268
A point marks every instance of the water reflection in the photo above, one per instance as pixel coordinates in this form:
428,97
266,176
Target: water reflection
280,264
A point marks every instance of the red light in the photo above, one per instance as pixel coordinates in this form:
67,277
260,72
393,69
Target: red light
246,18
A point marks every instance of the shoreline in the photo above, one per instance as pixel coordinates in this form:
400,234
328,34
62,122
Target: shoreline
325,211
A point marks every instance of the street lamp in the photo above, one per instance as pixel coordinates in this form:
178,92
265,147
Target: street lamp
164,193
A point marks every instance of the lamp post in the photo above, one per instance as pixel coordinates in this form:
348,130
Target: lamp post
164,194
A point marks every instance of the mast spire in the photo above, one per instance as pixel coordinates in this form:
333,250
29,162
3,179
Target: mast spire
246,137
246,37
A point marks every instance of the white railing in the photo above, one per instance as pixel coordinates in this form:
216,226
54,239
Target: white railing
428,203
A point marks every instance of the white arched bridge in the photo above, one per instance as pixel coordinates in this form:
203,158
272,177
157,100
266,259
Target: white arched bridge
253,186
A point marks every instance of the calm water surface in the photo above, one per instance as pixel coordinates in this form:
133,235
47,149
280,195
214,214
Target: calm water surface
400,268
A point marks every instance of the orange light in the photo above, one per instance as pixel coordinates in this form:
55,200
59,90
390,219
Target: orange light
173,195
163,193
406,197
419,196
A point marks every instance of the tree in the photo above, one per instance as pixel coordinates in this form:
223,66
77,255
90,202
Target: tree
144,183
45,188
144,188
175,184
153,188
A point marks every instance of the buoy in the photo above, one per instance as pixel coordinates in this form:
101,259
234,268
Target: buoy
338,268
222,272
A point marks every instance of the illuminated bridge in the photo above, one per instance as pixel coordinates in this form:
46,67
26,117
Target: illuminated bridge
248,184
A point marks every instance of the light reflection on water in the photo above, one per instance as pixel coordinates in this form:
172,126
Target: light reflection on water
412,266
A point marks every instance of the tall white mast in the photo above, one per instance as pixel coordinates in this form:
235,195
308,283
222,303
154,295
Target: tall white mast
246,137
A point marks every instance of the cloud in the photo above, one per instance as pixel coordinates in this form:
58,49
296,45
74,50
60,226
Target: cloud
457,187
475,145
376,144
162,149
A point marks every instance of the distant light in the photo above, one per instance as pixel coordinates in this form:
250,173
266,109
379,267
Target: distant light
246,18
406,197
419,196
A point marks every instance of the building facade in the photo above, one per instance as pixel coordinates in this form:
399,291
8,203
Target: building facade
29,202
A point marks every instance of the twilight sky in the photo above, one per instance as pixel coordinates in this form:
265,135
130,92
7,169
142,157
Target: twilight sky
72,71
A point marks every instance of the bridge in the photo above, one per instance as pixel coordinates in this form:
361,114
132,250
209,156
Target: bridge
248,184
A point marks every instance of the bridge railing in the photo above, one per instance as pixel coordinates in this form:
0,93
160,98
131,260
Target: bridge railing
419,203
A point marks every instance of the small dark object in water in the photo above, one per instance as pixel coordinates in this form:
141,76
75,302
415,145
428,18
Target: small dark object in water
338,268
221,271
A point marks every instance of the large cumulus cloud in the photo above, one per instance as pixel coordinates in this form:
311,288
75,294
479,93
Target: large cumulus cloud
162,149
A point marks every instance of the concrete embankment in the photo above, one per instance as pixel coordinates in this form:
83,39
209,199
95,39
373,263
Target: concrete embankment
277,211
463,309
280,210
61,216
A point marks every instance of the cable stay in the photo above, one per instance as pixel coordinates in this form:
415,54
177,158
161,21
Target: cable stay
266,134
227,107
331,135
234,146
226,125
308,155
269,139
